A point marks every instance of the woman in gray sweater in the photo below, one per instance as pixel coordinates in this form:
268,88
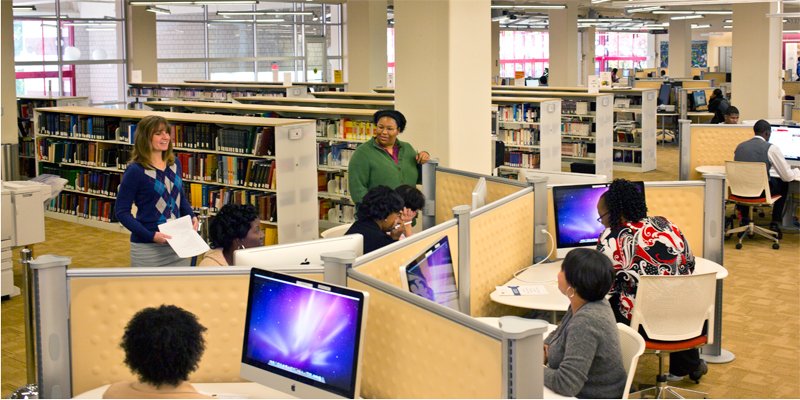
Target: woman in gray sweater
583,356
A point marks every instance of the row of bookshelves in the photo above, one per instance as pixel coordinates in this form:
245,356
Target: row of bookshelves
83,206
215,197
345,128
199,94
86,181
228,170
519,137
522,159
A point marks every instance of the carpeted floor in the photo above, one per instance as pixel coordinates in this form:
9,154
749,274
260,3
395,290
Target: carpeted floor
761,319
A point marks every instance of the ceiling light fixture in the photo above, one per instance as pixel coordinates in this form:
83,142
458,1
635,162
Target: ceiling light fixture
670,12
23,8
605,19
157,10
727,26
642,9
683,17
700,26
728,21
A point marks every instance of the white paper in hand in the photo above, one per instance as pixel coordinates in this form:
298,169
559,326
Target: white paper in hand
185,240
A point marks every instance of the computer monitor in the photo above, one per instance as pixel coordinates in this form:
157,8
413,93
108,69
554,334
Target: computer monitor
575,212
303,337
300,253
563,178
479,194
663,93
699,99
432,275
787,138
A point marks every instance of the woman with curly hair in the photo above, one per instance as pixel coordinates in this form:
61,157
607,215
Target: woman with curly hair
162,347
235,227
378,218
641,245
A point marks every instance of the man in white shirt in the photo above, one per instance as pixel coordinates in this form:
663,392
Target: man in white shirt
758,149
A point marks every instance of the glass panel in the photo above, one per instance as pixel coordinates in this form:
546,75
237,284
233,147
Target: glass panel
316,61
101,82
334,36
275,40
181,13
101,9
177,72
213,9
231,71
333,13
91,40
180,40
35,41
265,70
43,8
230,40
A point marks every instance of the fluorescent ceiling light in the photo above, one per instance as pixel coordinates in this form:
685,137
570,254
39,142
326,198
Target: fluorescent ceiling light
714,12
727,26
532,7
728,21
157,10
605,19
673,12
686,17
703,26
599,1
690,12
642,9
23,8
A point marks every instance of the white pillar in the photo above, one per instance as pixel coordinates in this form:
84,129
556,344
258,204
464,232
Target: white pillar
756,67
588,50
564,59
141,43
495,65
365,52
8,75
680,49
442,83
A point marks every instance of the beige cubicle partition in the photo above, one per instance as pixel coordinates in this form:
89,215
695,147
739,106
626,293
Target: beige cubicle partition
101,306
411,352
713,145
718,77
696,84
454,188
796,114
648,84
791,88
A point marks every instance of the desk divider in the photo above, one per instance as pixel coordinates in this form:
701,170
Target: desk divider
707,144
82,314
454,188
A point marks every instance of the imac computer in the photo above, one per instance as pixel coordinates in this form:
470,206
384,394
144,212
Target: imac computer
479,194
787,138
300,253
575,212
563,178
303,337
432,275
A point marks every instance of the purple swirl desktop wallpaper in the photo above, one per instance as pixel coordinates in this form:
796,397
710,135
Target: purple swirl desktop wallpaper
305,331
433,278
576,215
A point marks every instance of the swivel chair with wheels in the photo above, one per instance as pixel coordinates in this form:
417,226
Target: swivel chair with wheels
672,310
748,185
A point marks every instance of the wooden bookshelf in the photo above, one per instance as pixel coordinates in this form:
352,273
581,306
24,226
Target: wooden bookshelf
224,159
530,128
586,126
315,102
354,95
312,86
338,132
215,92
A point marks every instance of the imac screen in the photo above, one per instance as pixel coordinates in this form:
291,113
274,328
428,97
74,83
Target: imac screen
699,97
303,330
431,275
787,138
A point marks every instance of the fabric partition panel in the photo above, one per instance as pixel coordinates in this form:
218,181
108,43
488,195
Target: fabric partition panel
454,188
647,84
697,84
100,307
386,267
501,243
714,144
410,352
796,114
683,204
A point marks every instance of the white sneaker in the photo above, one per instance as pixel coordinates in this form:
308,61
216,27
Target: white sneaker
674,378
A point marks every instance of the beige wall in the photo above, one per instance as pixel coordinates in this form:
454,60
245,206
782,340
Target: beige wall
564,57
365,44
680,49
7,76
756,61
141,46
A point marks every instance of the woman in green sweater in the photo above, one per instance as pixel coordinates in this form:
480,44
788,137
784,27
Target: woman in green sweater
384,160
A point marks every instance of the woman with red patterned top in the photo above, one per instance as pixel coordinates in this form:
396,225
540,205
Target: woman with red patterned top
641,245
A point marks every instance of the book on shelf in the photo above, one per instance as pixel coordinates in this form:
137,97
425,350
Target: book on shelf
83,206
576,128
521,159
520,137
575,149
334,154
523,112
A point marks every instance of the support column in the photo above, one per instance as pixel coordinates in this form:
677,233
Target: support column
564,59
9,96
756,85
365,52
495,65
680,49
440,87
587,56
141,38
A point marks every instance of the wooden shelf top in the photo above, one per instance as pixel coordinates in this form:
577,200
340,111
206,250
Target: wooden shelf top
340,84
52,97
353,95
383,90
309,112
312,100
185,85
517,93
626,90
176,116
503,100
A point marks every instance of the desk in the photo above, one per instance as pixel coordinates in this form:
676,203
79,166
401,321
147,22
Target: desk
664,131
234,390
699,116
546,275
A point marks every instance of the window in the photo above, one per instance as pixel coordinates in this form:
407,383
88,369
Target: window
623,50
526,51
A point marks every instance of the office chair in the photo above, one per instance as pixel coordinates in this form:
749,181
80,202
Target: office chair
633,346
336,231
748,185
672,310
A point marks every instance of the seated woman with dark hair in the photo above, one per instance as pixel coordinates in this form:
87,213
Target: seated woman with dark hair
378,214
236,226
162,347
583,357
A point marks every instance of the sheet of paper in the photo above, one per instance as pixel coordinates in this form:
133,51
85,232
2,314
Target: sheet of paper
185,240
522,290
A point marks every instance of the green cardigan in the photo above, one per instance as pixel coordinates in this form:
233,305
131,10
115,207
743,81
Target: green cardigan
372,166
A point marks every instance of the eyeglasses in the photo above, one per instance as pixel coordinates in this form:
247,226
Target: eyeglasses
381,128
600,218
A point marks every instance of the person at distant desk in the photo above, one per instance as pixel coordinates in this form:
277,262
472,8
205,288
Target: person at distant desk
614,77
378,214
640,245
162,347
664,74
236,226
731,116
582,356
384,160
545,77
718,105
759,149
153,182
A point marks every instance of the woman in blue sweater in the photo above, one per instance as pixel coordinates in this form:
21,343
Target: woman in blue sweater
153,182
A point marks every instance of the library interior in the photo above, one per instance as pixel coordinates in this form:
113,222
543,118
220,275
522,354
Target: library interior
320,199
